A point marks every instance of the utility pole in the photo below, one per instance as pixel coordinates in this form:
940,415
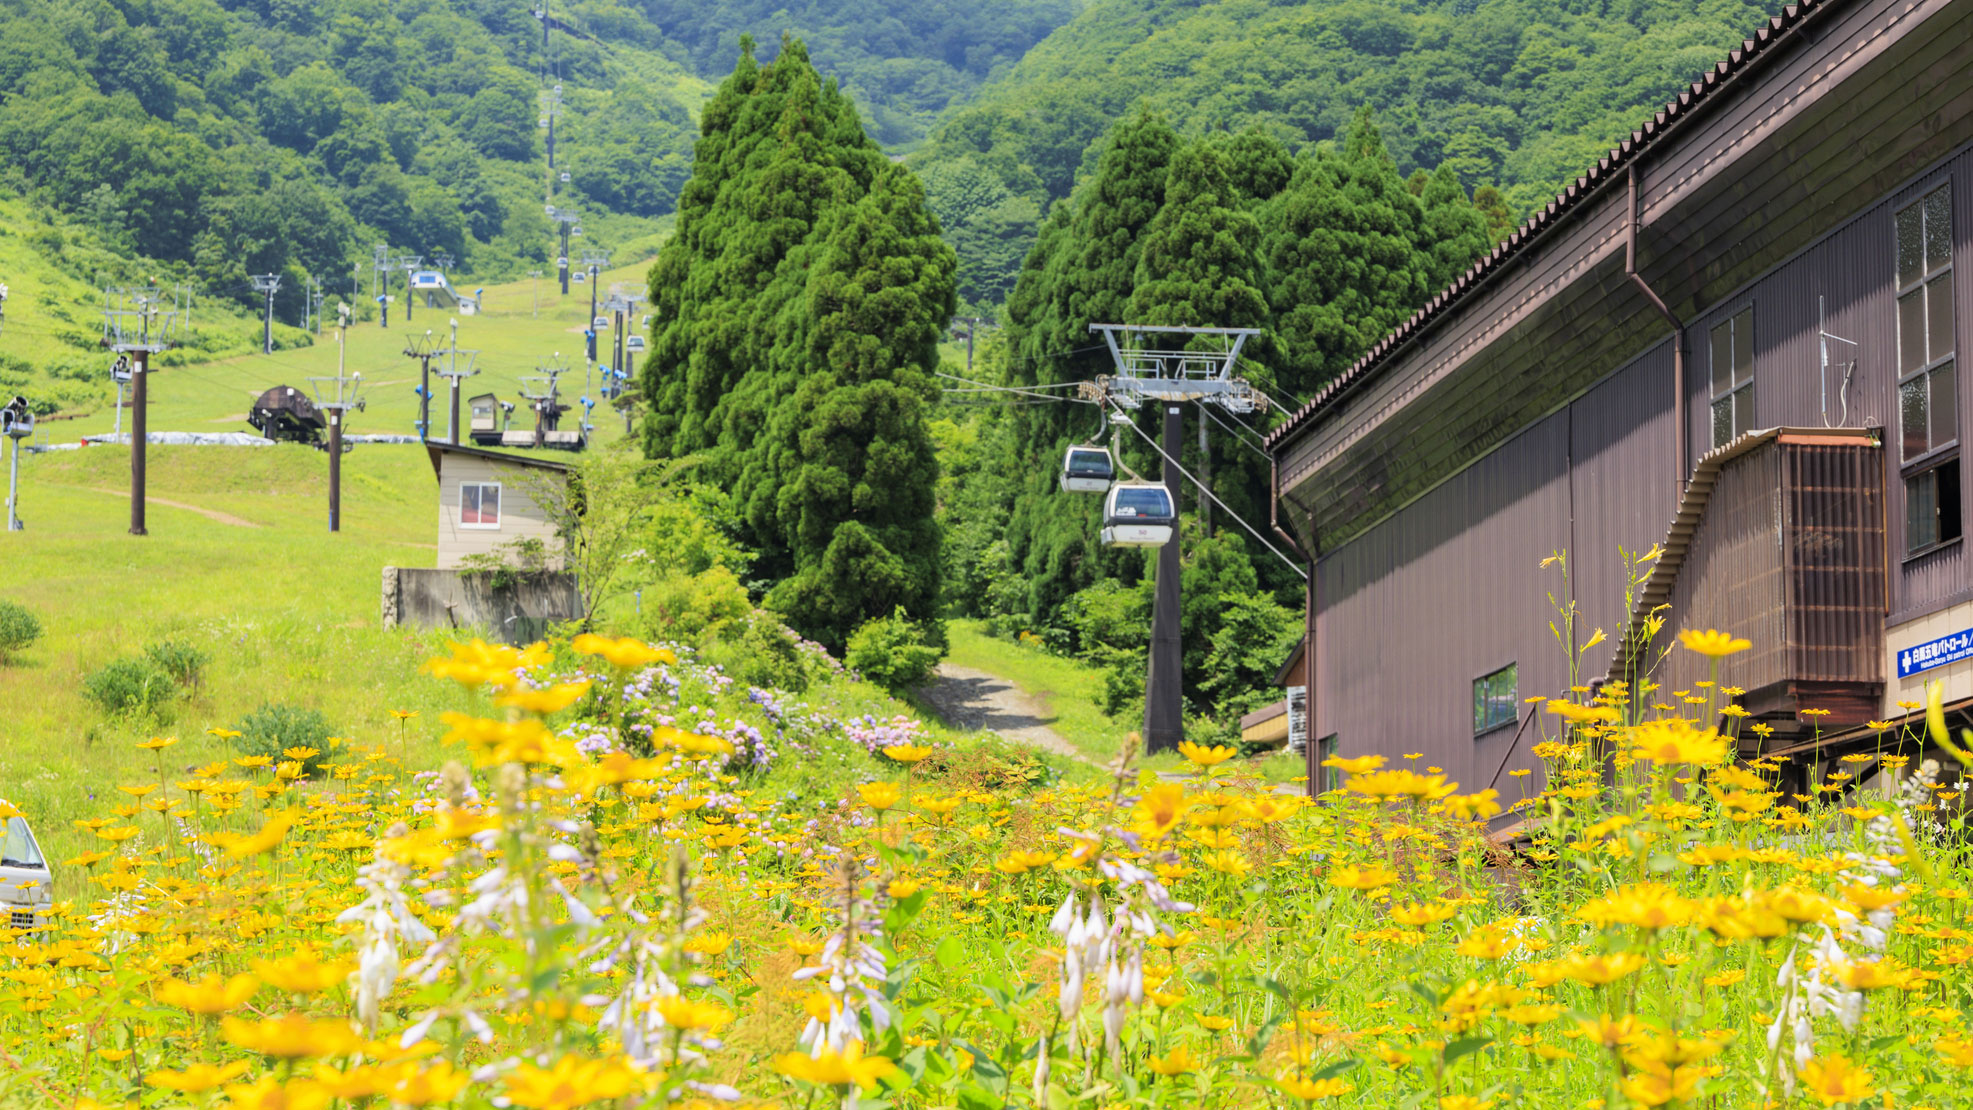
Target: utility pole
136,324
337,407
453,375
422,349
972,326
268,284
16,423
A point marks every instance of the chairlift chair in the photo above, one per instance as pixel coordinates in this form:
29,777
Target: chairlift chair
1138,514
1087,469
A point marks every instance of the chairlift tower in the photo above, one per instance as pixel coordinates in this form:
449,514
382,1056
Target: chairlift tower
541,391
568,224
593,260
267,285
16,423
138,323
454,373
410,264
1147,371
335,397
423,348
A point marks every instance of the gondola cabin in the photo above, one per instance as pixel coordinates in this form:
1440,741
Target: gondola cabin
1138,514
284,414
633,343
1087,470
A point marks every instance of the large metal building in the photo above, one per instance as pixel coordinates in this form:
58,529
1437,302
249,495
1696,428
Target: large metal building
1735,336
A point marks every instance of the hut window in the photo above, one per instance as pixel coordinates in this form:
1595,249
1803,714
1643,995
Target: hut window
479,504
1327,748
1928,392
1494,696
1733,377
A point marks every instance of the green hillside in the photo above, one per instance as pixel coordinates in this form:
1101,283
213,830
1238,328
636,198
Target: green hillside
252,136
1522,94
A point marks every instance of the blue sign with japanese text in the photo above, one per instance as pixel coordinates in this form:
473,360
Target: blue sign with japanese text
1935,653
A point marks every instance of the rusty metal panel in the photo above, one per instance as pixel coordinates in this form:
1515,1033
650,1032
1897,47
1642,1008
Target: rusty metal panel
1834,552
1448,589
1622,451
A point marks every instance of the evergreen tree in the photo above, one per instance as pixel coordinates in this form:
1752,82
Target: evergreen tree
802,299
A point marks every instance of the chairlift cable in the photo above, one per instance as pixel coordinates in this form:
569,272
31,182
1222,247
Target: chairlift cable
1174,463
1240,432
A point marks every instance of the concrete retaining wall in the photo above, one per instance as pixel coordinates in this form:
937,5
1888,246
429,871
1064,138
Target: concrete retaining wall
518,613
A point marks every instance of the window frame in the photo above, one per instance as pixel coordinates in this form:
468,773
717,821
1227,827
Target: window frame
498,507
1328,747
1940,455
1483,724
1734,386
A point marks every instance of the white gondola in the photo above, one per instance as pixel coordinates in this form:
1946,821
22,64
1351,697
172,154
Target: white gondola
1138,514
633,343
601,323
1087,469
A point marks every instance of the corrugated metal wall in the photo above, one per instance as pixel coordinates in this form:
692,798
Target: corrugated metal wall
1623,458
1733,580
1446,591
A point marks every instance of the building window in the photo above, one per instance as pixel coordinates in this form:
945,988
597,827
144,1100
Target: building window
1733,377
1928,393
479,504
1494,696
1328,778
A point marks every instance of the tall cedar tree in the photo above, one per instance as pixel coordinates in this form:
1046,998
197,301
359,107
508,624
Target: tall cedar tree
800,303
1082,271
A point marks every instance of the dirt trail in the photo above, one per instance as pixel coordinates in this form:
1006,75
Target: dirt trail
967,698
210,514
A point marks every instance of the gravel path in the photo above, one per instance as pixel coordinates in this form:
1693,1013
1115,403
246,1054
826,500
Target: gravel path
972,699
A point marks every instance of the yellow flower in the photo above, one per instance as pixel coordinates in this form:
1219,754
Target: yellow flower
682,1013
625,654
196,1077
879,796
1159,809
553,699
211,995
1176,1062
709,944
302,973
1470,806
831,1069
266,840
1677,740
1405,784
1463,1102
1712,643
1958,1051
903,888
1360,765
438,1083
157,743
1641,905
273,1094
1834,1079
937,806
1600,970
1416,916
1017,863
1203,756
571,1082
1368,877
292,1036
1727,978
907,753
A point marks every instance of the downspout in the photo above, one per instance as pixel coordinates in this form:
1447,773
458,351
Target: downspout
1310,753
1678,335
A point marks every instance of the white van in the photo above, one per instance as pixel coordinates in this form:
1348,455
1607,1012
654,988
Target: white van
26,893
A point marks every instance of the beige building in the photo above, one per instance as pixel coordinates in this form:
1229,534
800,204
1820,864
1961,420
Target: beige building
486,502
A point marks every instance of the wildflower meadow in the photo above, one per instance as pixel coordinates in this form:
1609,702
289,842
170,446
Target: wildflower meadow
595,904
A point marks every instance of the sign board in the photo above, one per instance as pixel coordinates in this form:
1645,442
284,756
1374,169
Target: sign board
1919,658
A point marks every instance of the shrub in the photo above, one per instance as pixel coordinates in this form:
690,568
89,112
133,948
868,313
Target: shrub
687,607
135,687
19,627
894,652
272,729
185,663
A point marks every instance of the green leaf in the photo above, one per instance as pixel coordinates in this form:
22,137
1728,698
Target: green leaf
1465,1047
950,953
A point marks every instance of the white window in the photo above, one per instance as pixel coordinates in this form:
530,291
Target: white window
479,504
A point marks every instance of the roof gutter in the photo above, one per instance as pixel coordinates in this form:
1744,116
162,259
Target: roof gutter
1678,332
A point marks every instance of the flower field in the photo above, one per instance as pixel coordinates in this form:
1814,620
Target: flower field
594,904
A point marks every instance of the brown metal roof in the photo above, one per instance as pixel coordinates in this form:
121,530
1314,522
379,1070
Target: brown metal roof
435,448
1611,167
1657,589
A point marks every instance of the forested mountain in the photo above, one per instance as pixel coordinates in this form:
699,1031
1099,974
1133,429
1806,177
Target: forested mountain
250,136
1522,94
904,63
